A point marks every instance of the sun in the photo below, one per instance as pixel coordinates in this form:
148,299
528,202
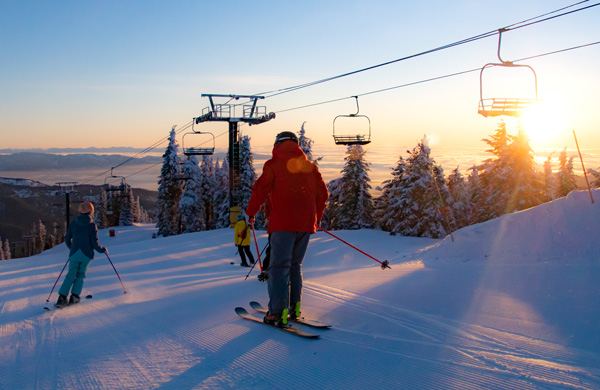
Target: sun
544,121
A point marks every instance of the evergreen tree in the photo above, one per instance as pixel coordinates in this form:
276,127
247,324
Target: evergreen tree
306,145
354,203
247,174
207,173
137,210
462,206
191,205
2,256
417,199
565,177
509,180
169,191
386,205
476,193
331,218
7,254
221,195
126,217
50,241
247,179
549,182
495,174
101,217
39,237
526,184
595,174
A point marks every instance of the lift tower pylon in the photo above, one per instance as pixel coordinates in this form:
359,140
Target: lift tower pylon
251,114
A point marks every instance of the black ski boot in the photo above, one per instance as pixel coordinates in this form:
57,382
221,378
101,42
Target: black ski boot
62,301
74,299
278,320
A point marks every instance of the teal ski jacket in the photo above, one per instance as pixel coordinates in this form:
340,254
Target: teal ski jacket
82,234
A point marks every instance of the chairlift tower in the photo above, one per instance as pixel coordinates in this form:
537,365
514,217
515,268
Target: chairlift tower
252,114
67,187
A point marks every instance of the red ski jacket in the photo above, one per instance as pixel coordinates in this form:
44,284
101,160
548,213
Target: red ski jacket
295,188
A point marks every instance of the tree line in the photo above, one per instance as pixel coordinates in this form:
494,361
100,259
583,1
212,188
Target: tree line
418,200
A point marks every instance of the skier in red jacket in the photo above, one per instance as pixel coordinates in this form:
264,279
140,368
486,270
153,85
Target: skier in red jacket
297,195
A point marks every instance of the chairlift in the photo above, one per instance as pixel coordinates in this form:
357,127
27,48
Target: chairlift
198,151
362,137
504,106
122,187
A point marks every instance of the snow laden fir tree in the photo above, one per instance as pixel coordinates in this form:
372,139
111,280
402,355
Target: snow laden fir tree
169,190
191,206
412,201
350,204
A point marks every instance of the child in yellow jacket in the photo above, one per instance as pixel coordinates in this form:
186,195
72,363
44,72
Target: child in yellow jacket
242,240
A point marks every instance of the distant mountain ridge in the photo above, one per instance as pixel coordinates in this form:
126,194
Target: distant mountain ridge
112,149
34,161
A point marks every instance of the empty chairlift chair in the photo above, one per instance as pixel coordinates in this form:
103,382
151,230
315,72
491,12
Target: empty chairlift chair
201,137
507,106
361,136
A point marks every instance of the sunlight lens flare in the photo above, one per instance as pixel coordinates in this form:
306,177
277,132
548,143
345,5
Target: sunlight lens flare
544,121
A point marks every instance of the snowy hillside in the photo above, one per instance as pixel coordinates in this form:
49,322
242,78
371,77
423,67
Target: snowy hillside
510,303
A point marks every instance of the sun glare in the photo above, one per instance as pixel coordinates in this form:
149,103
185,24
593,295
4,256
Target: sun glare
544,121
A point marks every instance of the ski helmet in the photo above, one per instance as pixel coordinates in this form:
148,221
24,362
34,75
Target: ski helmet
285,136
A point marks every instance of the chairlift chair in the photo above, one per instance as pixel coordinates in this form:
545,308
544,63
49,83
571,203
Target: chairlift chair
111,187
504,106
198,151
362,137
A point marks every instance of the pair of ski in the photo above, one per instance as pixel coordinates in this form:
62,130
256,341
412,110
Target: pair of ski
54,307
243,313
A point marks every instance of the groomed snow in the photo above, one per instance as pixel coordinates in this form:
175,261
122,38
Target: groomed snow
510,303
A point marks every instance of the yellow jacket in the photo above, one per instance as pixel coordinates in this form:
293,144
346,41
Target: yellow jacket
240,226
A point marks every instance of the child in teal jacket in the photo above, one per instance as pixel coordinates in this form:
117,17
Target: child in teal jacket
81,239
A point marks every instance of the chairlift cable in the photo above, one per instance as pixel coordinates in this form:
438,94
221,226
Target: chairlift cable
514,26
488,34
431,79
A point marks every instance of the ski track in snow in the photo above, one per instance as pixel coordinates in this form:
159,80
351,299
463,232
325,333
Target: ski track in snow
176,328
474,349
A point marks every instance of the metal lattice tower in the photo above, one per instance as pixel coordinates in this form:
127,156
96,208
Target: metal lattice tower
252,114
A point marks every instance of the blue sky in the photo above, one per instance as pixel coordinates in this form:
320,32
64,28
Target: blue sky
121,73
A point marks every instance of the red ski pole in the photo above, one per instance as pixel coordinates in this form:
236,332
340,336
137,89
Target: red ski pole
59,275
262,276
384,264
111,263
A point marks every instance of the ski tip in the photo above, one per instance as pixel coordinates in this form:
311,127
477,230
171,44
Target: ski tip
241,310
89,296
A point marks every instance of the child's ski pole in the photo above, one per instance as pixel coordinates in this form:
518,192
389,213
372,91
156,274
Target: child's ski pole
111,263
59,275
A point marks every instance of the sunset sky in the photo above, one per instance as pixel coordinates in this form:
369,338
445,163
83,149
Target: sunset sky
122,73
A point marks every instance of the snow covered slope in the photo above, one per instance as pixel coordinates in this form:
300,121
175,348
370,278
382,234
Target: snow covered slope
510,303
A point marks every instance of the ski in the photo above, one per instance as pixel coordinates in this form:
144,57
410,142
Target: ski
54,307
303,321
243,313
